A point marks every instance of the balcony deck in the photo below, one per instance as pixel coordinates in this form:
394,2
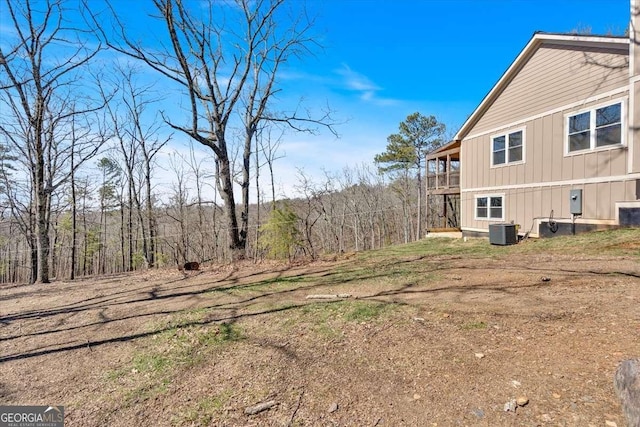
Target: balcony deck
444,183
443,170
443,188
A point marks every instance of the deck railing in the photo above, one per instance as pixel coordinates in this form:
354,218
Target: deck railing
443,180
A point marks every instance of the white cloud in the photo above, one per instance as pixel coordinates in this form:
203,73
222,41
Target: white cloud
364,86
356,81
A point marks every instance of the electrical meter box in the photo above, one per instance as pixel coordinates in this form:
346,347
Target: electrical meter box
575,202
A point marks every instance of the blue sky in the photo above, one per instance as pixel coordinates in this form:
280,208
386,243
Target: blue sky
382,60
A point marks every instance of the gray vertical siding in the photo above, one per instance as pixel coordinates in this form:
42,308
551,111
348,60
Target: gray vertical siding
553,83
524,206
545,159
554,77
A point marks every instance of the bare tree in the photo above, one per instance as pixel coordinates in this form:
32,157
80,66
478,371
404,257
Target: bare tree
311,209
129,152
107,192
331,236
197,175
268,147
139,140
224,69
19,197
178,211
138,99
77,133
40,73
265,154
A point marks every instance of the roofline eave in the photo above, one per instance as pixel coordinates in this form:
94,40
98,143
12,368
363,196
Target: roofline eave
526,53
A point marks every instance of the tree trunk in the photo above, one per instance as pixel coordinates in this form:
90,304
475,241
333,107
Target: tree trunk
130,225
255,250
84,231
246,164
103,225
122,234
151,256
74,225
143,228
236,244
419,219
54,256
33,245
42,233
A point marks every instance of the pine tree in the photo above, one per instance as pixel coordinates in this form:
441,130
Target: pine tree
280,236
6,167
418,135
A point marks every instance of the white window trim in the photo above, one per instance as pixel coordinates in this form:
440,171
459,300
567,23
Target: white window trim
506,154
592,135
488,197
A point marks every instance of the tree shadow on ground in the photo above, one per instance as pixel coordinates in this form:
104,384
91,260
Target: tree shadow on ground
152,296
228,282
92,344
232,311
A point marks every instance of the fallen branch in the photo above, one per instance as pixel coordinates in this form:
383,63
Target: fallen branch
295,411
328,296
256,409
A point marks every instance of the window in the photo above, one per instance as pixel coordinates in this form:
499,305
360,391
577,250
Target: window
507,148
596,128
579,132
609,125
490,207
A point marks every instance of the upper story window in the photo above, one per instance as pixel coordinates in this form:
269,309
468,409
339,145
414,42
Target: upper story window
596,128
507,148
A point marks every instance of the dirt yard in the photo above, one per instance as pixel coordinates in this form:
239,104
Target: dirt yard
437,333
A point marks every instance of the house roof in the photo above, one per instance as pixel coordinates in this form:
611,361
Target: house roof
449,147
569,40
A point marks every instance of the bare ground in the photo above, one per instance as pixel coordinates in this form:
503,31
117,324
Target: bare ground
425,340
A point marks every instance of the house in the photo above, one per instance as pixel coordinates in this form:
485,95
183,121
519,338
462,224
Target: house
554,147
